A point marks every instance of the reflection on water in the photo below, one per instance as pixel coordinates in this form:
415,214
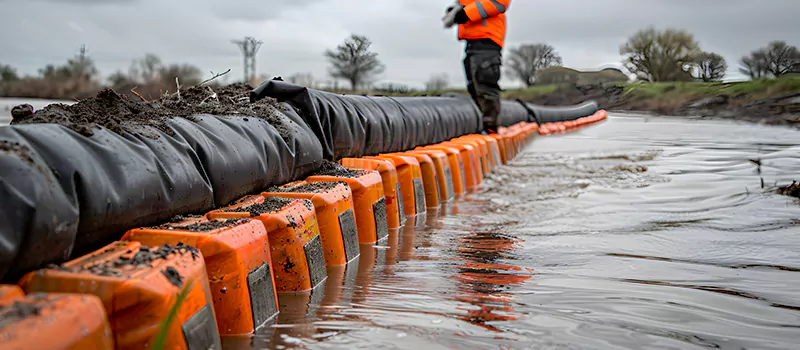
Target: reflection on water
636,233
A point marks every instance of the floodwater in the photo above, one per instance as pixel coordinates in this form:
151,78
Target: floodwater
637,233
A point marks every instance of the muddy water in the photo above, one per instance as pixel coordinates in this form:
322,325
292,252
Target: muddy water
637,233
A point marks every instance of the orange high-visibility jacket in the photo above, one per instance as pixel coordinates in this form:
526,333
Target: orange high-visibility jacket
487,20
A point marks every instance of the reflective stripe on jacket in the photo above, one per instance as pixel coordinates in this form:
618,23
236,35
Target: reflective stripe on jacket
487,20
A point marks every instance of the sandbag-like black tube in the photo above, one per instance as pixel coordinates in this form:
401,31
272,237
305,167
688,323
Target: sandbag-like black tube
559,114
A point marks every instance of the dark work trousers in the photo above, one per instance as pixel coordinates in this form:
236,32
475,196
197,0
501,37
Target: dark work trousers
482,66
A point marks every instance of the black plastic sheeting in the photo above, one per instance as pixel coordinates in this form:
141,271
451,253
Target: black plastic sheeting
65,194
513,112
355,126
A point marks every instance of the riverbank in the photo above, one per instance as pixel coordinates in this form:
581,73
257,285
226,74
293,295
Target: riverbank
774,102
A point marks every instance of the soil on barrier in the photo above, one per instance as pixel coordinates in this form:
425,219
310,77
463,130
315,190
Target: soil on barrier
313,187
17,311
142,258
792,190
329,168
269,205
204,226
121,113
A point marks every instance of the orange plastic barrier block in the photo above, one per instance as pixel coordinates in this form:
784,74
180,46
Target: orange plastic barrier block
493,147
443,173
391,186
238,263
294,240
480,144
138,285
10,292
501,147
470,157
409,176
54,321
457,173
369,200
333,204
483,158
430,180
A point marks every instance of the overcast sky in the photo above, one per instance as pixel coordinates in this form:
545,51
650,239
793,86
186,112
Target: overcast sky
407,34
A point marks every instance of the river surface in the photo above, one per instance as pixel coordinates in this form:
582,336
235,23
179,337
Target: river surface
637,233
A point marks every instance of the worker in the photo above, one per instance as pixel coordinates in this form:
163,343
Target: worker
482,24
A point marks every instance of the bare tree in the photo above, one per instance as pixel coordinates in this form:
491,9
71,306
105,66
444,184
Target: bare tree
437,82
187,75
354,62
8,73
756,66
781,58
710,67
526,60
666,55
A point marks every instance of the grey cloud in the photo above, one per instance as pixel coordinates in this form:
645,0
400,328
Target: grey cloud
407,34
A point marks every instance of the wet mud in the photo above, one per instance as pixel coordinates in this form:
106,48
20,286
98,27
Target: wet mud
204,226
313,187
329,168
123,114
269,205
792,190
17,311
141,259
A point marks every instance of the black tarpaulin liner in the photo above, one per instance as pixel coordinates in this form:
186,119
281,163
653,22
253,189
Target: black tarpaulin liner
517,111
547,114
244,155
347,124
36,216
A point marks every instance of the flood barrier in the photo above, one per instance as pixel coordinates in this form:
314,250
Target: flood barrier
72,192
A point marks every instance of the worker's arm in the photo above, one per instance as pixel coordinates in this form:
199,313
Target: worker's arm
481,10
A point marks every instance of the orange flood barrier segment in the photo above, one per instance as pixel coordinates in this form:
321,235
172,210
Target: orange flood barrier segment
138,285
391,186
54,321
294,239
368,200
238,263
444,174
458,174
333,204
472,165
483,152
409,176
493,148
430,180
566,126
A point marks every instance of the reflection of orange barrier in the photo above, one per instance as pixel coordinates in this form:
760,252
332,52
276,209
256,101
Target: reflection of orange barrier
333,204
443,173
297,257
368,200
54,321
391,186
430,179
472,165
138,285
409,176
238,262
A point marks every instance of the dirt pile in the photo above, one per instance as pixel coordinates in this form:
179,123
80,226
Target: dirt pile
792,190
313,187
329,168
120,113
269,205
